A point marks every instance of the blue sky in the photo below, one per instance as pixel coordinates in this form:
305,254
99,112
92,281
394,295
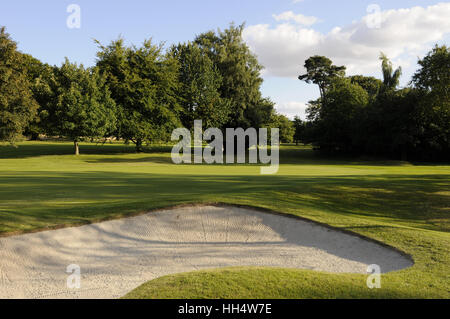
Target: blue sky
40,29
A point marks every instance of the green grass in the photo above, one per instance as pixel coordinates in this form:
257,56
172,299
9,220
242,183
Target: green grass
403,205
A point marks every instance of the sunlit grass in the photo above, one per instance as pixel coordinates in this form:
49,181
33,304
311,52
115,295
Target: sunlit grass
42,185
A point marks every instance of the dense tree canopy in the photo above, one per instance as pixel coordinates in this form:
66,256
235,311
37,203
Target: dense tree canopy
364,115
198,92
432,80
338,115
391,77
320,70
371,84
144,84
285,126
79,105
17,105
141,93
241,76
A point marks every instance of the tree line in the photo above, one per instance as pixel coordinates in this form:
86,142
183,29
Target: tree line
136,93
139,94
363,115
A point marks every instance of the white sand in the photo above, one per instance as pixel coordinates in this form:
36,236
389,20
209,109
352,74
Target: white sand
117,256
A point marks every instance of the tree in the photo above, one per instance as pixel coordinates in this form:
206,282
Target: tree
433,81
391,78
17,105
339,115
144,84
261,112
81,106
285,125
241,76
198,92
434,75
299,127
321,71
371,84
39,75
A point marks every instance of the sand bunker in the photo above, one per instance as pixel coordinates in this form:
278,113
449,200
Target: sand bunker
117,256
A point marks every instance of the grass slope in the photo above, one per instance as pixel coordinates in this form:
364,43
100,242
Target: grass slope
403,205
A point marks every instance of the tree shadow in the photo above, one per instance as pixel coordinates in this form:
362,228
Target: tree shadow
49,198
34,149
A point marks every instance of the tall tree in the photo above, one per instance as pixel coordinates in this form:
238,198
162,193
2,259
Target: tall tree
144,84
285,126
81,106
321,71
391,78
433,81
371,84
39,75
200,81
299,127
241,75
17,105
339,115
434,74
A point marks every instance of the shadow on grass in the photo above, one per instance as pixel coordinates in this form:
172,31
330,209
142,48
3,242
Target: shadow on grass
33,149
38,198
301,155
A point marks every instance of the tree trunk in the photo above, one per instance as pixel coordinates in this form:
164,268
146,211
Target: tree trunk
404,154
34,136
76,147
138,145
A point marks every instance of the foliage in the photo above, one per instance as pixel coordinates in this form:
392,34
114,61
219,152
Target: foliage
40,76
198,92
433,110
390,77
144,84
320,70
363,115
80,105
17,105
371,84
285,126
299,127
339,113
241,78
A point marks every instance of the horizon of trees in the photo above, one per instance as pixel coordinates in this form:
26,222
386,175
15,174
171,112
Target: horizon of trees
363,115
135,93
141,93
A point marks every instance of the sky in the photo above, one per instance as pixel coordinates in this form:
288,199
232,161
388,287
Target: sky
282,33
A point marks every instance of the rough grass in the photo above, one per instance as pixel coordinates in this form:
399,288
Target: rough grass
403,205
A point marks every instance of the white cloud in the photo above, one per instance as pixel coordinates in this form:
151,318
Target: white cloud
292,109
403,35
297,18
297,1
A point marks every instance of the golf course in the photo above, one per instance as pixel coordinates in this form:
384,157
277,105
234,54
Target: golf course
400,204
200,155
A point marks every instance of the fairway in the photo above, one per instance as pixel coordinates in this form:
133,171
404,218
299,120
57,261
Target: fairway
404,205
